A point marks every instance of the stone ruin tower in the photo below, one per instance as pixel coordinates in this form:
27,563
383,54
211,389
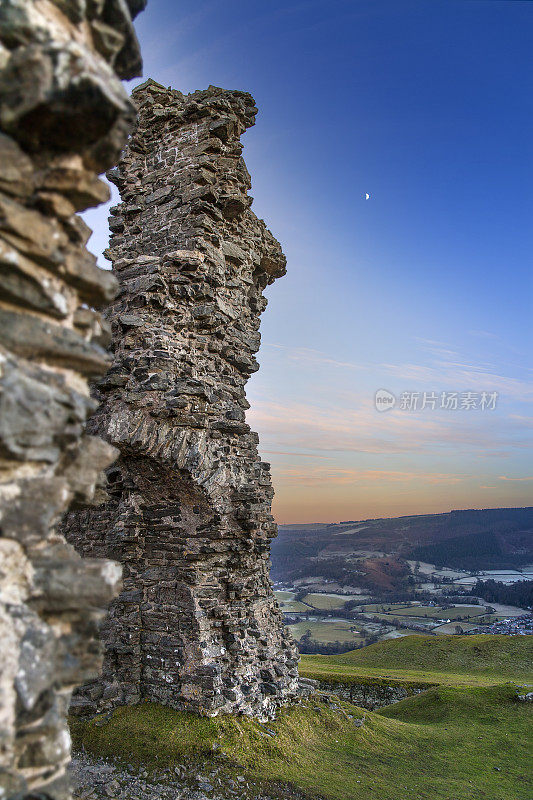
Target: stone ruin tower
64,117
197,625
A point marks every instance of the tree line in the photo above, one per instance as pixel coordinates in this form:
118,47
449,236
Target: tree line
515,594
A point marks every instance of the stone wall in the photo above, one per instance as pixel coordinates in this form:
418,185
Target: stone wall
64,116
197,625
370,695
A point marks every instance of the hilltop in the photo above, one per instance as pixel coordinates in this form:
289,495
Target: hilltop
475,539
460,741
444,660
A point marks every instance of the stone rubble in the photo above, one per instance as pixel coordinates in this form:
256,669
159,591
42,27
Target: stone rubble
98,779
369,695
197,626
64,117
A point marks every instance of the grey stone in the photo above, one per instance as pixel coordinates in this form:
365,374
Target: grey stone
29,336
196,626
63,116
16,169
370,696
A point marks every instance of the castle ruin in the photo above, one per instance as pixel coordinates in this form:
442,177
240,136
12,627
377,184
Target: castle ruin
196,625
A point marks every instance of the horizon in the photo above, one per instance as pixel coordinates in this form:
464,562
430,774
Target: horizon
403,516
423,287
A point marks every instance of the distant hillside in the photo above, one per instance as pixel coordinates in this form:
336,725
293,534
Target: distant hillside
472,539
473,551
475,655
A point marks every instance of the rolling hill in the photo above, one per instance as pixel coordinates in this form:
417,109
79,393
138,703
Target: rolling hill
369,553
445,660
468,741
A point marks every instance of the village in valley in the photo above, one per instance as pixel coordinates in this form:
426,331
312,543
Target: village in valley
359,596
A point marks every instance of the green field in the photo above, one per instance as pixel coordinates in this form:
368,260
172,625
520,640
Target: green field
383,607
447,660
316,600
325,631
295,606
284,597
439,613
287,603
386,619
445,744
449,627
325,602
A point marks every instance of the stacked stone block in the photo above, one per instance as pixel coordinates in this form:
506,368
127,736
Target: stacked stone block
197,625
64,117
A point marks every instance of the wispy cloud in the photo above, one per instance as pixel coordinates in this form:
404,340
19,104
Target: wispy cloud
305,355
457,376
439,367
320,476
519,480
294,454
521,420
483,334
306,427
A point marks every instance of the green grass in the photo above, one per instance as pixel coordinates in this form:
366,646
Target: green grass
295,606
448,660
442,745
325,631
387,619
287,603
449,627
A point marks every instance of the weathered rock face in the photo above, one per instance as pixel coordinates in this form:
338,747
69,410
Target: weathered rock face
197,625
63,117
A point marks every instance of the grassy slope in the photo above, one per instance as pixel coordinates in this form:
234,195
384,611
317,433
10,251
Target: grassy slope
453,742
443,745
449,660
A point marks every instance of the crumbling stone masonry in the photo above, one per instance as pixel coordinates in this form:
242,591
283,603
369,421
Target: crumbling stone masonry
64,116
197,625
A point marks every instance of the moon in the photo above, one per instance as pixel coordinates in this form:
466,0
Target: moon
367,196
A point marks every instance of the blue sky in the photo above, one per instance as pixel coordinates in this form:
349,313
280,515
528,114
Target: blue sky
425,287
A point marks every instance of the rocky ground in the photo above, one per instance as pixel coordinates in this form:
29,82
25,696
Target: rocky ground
97,779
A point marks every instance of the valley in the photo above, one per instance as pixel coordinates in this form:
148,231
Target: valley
345,585
397,677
